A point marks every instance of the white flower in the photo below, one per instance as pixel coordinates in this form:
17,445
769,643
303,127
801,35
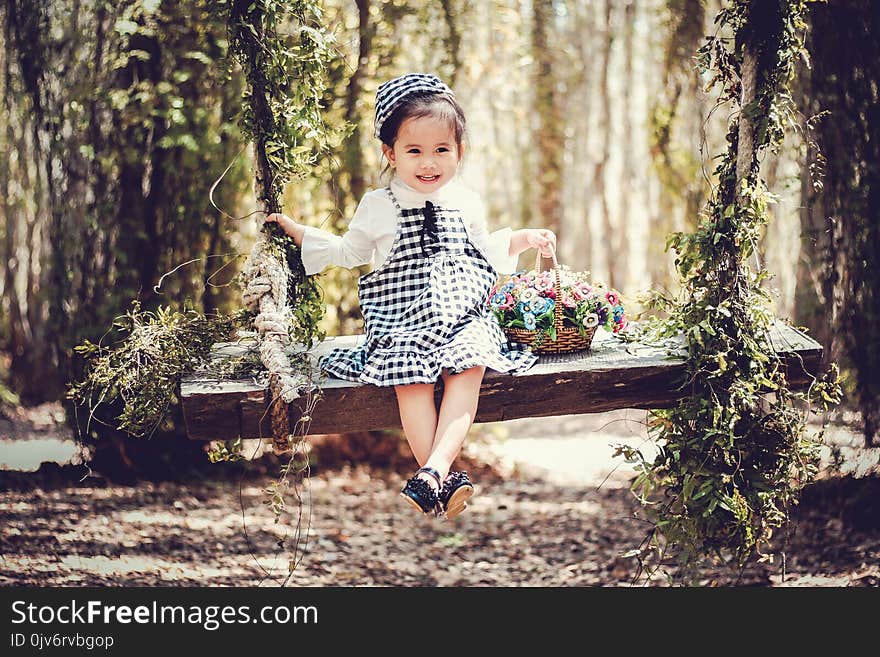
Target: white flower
591,320
529,295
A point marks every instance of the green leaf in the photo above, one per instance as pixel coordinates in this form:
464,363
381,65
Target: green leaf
688,488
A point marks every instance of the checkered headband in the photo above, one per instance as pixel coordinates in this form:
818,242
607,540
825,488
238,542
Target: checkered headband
390,94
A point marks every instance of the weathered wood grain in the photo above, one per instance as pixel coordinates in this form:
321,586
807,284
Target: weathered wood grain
612,375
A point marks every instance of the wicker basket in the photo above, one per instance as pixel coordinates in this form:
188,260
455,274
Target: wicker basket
568,339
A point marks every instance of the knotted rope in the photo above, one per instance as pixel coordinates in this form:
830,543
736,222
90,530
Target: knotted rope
265,278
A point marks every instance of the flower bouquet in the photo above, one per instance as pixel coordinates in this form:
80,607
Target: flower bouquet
559,304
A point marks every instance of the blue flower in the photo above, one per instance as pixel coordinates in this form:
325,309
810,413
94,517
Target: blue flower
498,298
529,321
542,305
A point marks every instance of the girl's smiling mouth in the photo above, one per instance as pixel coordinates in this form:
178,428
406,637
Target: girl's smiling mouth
429,179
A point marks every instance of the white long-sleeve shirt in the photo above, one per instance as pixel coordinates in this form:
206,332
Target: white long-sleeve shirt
372,229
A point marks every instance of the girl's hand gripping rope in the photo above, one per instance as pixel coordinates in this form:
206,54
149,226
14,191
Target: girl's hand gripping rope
290,226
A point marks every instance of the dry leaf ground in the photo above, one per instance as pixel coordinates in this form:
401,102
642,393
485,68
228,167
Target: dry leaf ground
552,509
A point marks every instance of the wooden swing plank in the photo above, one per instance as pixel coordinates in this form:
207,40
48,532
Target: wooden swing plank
611,375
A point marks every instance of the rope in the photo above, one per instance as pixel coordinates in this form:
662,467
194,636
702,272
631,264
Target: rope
265,291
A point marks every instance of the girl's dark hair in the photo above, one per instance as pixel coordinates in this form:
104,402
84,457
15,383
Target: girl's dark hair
419,104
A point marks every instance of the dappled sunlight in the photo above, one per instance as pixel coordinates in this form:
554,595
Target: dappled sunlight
28,455
572,450
73,569
171,520
844,453
498,507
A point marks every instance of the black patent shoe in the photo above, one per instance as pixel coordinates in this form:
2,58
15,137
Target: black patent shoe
455,492
419,492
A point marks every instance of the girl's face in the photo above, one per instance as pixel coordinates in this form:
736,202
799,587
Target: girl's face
425,154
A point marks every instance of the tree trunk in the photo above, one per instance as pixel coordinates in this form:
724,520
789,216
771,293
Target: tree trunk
354,154
680,108
578,250
453,41
810,308
550,140
14,327
599,186
620,239
844,80
34,368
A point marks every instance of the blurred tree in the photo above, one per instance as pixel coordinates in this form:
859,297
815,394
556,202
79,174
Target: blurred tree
581,72
600,170
676,112
354,155
125,109
453,40
619,239
30,135
838,293
548,117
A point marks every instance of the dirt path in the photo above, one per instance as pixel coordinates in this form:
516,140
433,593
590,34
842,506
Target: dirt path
556,513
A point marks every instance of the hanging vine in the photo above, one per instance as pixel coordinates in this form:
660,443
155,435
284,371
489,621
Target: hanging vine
734,453
282,117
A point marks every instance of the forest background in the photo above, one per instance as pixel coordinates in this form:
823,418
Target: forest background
588,118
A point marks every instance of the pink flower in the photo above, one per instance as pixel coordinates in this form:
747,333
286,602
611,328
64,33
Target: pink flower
544,284
568,302
613,299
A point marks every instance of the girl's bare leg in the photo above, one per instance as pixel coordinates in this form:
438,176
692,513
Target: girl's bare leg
457,412
418,415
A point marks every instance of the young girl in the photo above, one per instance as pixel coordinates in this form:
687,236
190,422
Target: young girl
423,303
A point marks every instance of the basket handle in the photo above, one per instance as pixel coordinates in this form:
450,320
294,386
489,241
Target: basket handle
557,308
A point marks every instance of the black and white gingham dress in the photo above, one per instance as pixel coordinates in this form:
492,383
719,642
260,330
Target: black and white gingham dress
423,312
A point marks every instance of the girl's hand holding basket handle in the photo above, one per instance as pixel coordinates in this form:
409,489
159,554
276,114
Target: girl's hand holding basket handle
542,239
